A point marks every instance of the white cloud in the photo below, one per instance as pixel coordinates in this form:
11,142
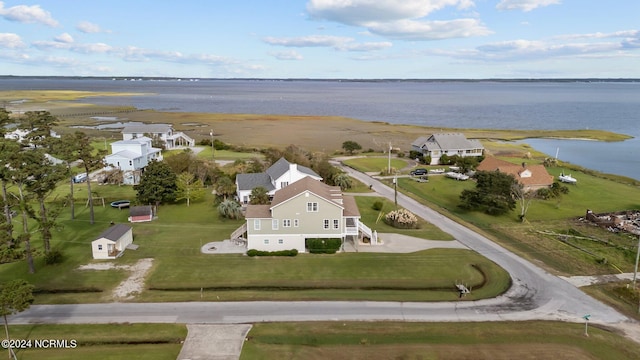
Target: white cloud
27,14
336,42
64,38
89,28
286,55
399,20
11,41
430,30
525,5
91,48
358,12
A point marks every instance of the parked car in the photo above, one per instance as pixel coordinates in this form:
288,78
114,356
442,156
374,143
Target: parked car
418,172
80,178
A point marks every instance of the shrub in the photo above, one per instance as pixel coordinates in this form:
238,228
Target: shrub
402,219
53,257
254,252
323,246
377,205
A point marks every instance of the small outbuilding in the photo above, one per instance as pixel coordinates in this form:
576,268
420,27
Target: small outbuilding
112,242
141,213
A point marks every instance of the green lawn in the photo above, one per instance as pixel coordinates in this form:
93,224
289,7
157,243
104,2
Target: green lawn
375,164
558,215
180,270
402,340
103,342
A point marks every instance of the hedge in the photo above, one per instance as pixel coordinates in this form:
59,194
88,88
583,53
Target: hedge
254,252
323,245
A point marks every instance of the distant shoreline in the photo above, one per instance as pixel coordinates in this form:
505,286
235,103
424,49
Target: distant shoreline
436,80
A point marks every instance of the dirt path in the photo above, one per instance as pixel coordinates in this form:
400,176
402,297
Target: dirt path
131,286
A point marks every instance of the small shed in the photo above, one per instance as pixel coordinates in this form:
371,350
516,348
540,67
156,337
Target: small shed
112,242
141,213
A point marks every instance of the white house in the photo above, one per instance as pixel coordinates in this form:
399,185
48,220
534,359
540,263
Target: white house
112,242
304,209
277,176
20,135
451,144
131,156
164,132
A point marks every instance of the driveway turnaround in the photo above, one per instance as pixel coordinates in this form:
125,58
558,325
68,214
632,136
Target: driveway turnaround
214,342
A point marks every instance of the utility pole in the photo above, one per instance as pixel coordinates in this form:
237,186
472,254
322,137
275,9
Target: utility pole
395,190
389,164
213,151
635,271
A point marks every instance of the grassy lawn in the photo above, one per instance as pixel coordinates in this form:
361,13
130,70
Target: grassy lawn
375,164
393,340
104,342
372,219
180,270
558,215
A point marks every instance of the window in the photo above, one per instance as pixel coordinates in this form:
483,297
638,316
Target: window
283,184
286,223
312,207
99,247
296,222
326,224
266,241
336,224
274,224
280,241
256,224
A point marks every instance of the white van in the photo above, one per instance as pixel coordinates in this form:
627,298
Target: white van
80,178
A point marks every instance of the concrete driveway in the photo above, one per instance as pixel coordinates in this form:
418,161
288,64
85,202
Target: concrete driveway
214,342
398,243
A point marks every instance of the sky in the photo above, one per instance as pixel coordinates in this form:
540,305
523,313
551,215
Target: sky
353,39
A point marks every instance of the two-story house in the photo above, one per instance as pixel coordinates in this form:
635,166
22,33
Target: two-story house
304,209
452,144
131,156
164,132
277,176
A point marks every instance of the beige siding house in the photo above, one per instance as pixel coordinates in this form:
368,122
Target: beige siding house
112,242
304,209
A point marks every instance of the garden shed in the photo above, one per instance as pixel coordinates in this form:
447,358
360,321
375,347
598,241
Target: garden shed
111,243
141,213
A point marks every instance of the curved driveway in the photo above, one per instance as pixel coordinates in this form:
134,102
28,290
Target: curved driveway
535,294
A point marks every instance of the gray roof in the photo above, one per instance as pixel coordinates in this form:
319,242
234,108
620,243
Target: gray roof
251,181
140,210
281,166
453,141
115,232
141,129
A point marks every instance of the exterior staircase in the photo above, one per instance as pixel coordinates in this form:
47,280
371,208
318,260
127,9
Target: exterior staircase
373,235
239,232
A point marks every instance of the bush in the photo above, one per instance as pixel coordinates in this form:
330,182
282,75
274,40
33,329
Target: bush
377,205
323,246
53,257
254,252
402,219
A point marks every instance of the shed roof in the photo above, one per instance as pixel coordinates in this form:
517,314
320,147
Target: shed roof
114,232
141,210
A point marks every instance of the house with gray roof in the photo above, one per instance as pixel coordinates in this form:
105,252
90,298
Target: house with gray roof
112,242
449,144
164,132
131,156
277,176
304,209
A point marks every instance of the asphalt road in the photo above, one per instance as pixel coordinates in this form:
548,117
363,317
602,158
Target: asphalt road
535,294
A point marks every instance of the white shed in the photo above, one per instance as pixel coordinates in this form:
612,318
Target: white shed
112,242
